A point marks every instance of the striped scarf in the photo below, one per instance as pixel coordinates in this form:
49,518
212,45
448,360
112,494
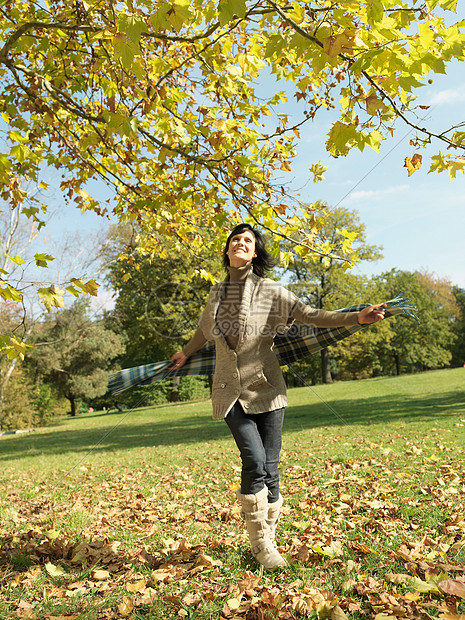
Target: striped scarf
298,342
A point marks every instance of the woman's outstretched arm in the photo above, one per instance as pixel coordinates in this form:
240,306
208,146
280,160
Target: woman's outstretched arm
195,343
327,318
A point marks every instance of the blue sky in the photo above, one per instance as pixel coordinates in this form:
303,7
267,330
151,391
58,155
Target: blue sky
419,220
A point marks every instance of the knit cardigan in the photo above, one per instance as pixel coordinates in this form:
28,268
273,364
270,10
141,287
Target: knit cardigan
251,373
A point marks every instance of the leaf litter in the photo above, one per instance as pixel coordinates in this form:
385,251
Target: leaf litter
365,537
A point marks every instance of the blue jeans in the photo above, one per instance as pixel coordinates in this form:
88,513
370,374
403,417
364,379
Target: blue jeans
258,437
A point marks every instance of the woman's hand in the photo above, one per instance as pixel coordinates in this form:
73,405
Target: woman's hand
371,314
178,359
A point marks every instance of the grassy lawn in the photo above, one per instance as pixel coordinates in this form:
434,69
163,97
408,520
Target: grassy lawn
133,515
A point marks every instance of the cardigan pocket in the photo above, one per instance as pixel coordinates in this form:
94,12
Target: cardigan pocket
259,381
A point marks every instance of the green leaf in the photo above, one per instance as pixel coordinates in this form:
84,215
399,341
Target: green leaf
126,50
228,9
43,259
375,11
132,26
12,347
4,162
447,5
73,291
14,136
341,137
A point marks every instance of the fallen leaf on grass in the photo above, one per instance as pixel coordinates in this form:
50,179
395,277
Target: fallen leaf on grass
166,574
421,586
192,599
139,586
54,571
338,614
25,611
76,592
79,558
397,578
100,575
454,587
126,606
348,585
233,603
148,596
249,582
206,560
450,616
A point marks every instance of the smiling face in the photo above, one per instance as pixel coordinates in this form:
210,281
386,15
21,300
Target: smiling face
241,249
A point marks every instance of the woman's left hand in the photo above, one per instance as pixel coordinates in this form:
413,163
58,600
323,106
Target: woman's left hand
371,314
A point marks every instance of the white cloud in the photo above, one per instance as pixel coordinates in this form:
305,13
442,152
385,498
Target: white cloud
105,300
377,194
448,96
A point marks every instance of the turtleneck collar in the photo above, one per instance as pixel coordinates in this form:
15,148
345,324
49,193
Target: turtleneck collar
239,274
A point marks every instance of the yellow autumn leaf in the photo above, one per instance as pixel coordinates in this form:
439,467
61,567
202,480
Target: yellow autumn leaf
100,575
338,614
54,571
373,104
413,163
139,586
126,606
334,44
234,603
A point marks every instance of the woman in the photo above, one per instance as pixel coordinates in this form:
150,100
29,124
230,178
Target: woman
242,315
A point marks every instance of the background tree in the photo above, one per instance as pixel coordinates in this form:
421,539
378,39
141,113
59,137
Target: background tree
158,301
19,235
163,102
76,353
326,283
425,346
358,357
458,348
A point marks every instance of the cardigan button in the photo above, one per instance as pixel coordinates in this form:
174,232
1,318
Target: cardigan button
223,385
235,375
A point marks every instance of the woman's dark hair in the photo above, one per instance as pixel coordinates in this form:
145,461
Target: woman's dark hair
263,262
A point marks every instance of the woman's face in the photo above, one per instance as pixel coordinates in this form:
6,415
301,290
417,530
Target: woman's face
241,249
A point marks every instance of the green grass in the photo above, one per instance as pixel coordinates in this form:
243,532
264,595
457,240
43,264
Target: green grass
372,475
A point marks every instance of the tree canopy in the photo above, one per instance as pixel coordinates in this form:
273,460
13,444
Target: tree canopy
166,103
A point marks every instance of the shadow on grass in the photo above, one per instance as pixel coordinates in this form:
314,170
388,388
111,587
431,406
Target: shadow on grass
197,428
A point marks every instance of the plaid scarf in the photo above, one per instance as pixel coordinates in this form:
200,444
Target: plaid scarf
299,341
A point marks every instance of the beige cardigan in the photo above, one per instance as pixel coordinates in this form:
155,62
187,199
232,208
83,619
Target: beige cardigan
251,373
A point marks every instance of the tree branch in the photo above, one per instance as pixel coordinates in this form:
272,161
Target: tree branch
371,80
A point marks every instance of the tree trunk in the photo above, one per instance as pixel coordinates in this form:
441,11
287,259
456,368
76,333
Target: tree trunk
397,361
2,398
325,366
5,377
72,402
174,396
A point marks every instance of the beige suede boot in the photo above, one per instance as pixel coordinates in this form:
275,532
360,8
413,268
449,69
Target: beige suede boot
272,518
255,511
